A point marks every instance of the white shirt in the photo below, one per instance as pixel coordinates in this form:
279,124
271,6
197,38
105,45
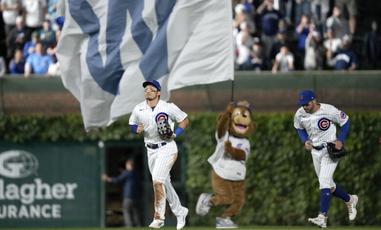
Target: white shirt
9,16
320,126
34,12
223,164
144,114
285,61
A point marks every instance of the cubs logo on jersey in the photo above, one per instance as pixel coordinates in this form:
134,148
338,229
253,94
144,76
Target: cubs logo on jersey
161,117
324,124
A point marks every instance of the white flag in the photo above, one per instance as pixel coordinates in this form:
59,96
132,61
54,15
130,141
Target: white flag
109,48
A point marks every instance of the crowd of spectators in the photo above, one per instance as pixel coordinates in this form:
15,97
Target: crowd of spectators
31,35
274,35
286,35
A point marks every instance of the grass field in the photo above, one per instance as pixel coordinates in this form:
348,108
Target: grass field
212,228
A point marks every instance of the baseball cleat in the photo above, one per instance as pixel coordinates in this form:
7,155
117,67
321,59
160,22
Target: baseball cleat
320,221
225,223
352,211
181,219
203,206
156,223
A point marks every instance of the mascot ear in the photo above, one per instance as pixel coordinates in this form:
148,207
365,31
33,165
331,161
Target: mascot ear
244,104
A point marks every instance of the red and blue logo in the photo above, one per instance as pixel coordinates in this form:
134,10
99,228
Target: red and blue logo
161,117
324,124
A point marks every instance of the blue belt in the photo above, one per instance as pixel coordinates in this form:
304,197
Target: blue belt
155,146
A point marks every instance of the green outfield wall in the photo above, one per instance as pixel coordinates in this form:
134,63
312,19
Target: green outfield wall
355,91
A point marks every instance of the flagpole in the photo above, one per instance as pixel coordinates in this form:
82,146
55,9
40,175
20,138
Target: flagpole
232,91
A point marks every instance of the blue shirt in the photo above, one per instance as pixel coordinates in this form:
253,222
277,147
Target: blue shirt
129,181
270,21
345,59
40,63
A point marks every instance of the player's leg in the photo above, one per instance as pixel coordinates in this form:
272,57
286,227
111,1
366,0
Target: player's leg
321,219
328,167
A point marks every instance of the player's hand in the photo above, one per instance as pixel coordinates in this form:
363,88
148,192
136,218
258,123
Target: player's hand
140,128
338,144
308,145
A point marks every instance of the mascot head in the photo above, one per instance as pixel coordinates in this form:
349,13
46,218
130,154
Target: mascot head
241,124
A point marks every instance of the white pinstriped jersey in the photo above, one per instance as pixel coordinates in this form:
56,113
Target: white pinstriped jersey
144,114
320,126
223,164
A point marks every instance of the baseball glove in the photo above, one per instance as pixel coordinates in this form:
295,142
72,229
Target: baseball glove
335,153
164,129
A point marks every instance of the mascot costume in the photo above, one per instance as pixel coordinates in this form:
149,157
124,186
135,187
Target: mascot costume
228,161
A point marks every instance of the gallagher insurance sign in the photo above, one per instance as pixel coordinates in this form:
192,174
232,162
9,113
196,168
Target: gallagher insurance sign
50,185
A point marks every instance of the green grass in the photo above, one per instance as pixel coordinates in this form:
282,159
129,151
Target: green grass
213,228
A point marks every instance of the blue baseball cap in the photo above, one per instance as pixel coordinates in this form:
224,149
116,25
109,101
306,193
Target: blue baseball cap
154,83
306,96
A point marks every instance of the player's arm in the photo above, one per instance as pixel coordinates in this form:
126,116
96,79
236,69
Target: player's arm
303,136
181,126
135,126
343,133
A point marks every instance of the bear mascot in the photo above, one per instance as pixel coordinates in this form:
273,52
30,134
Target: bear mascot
228,162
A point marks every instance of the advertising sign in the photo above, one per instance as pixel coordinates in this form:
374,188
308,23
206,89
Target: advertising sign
50,185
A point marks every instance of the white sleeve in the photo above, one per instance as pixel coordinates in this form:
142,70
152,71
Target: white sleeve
176,114
297,123
133,118
338,116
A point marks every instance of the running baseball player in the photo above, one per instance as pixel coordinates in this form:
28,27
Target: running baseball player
155,118
315,125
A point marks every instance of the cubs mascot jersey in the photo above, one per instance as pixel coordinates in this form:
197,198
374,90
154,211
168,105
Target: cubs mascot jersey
320,126
223,164
143,113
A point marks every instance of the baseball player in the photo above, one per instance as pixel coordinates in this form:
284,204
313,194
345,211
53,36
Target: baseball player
315,125
146,118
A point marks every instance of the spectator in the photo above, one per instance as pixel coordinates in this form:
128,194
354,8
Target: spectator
372,48
338,23
29,46
35,11
38,62
345,58
302,31
128,178
284,61
256,55
313,55
17,64
351,7
281,40
10,10
270,26
302,7
47,35
16,37
319,10
243,44
332,44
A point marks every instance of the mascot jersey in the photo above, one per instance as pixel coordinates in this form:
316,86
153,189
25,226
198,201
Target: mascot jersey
223,164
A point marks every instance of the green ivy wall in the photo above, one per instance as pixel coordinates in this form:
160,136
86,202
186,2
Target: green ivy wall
282,188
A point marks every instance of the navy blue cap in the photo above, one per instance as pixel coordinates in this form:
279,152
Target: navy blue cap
154,83
306,96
